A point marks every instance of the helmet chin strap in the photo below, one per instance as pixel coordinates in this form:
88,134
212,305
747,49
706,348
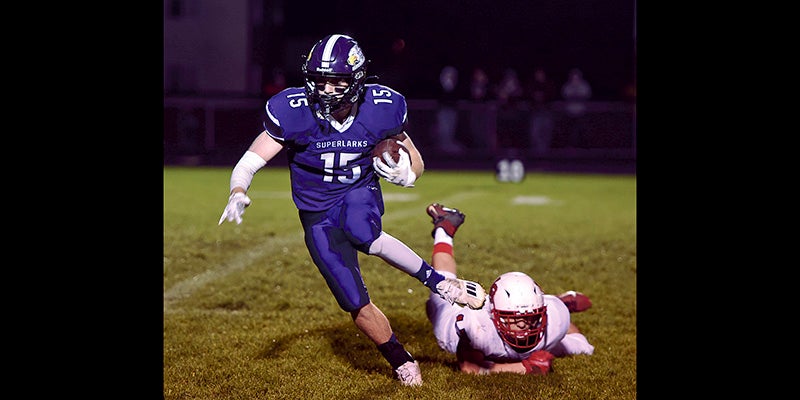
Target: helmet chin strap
326,106
344,111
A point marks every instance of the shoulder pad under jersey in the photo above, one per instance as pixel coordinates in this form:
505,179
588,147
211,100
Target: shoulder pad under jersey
287,114
384,110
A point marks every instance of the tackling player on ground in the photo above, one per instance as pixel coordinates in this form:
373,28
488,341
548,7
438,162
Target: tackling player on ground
519,330
329,128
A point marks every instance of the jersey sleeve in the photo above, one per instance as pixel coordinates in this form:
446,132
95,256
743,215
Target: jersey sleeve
558,341
557,321
287,116
388,111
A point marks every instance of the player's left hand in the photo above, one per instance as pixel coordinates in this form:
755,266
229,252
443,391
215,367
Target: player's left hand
398,173
538,363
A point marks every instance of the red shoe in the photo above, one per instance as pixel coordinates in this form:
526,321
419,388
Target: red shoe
448,218
575,301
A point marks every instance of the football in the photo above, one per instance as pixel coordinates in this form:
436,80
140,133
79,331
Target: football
389,145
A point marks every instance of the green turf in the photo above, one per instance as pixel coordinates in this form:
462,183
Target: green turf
248,316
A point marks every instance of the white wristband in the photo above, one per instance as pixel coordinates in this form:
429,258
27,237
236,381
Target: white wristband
244,170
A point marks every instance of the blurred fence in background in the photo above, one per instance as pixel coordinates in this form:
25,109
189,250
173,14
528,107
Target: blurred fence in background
601,138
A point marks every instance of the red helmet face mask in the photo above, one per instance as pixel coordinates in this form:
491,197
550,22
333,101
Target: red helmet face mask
518,310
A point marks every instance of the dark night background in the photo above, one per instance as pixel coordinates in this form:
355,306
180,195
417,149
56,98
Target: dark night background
408,43
597,36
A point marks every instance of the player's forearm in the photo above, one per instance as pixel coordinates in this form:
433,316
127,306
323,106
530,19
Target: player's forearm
471,368
242,174
417,163
491,368
418,167
514,367
263,149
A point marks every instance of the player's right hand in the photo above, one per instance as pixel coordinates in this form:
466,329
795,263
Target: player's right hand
235,208
538,363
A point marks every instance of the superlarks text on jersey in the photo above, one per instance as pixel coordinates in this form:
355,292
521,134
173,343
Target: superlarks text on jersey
340,143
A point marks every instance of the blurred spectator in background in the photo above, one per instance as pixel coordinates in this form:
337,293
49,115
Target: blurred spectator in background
576,91
479,85
481,118
447,113
508,90
511,120
541,92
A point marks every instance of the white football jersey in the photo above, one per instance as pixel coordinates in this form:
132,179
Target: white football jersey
451,322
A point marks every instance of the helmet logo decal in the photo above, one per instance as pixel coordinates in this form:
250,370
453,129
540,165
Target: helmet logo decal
356,57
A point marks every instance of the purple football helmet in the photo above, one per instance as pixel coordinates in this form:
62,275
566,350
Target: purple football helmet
335,57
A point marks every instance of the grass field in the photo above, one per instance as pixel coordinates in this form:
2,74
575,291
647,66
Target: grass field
248,316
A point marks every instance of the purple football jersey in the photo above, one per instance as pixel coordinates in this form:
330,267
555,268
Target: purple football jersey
324,163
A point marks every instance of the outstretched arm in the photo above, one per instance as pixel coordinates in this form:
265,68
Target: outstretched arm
263,149
472,361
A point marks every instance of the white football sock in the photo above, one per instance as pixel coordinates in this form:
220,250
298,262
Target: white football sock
440,236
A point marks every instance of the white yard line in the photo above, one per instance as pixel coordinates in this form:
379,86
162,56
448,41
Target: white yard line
245,259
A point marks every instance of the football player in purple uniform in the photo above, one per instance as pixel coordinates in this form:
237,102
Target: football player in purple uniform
329,128
519,330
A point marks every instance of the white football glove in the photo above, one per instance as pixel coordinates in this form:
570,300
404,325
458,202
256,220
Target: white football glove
235,208
398,173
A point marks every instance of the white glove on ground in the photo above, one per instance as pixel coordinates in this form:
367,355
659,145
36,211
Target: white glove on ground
235,208
398,173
